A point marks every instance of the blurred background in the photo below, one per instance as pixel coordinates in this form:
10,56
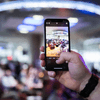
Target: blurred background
21,35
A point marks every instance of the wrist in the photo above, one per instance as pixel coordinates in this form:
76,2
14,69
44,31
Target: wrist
84,81
95,95
91,89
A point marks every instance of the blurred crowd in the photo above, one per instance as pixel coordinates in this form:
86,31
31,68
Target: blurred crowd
61,43
20,81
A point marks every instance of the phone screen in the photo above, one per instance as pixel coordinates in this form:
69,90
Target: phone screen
57,40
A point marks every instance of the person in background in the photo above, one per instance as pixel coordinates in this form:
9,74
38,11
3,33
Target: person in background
8,81
32,79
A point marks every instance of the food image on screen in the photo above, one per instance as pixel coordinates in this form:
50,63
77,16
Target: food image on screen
56,41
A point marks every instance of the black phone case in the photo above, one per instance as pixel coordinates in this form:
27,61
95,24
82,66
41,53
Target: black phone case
61,67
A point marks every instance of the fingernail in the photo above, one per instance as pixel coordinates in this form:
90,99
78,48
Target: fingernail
57,61
49,73
52,73
66,61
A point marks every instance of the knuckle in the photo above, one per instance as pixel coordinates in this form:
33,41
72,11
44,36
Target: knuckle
76,56
62,54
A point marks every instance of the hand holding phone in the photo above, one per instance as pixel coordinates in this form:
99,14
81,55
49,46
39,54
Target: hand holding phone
57,40
78,74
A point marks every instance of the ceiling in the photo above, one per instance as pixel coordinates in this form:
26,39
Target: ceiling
87,27
92,1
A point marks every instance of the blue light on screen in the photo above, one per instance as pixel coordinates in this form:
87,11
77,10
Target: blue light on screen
29,28
32,21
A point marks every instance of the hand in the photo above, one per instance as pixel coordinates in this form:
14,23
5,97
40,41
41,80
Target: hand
78,74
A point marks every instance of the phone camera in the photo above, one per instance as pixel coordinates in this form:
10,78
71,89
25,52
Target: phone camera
48,23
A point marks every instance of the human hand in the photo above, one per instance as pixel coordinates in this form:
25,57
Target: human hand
78,74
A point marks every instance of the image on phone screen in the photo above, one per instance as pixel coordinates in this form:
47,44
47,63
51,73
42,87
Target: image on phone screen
57,41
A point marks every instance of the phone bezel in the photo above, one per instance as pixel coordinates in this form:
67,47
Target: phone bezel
54,20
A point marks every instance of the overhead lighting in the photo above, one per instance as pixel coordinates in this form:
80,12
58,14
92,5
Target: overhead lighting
38,17
73,20
20,48
24,31
32,21
78,5
25,28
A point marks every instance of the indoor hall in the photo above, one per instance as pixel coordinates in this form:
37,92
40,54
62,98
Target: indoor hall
22,34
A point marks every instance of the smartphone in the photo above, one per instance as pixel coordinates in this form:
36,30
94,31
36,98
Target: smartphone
57,40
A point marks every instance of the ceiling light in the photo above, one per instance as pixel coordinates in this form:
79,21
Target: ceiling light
32,21
38,17
25,28
78,5
20,48
73,20
24,31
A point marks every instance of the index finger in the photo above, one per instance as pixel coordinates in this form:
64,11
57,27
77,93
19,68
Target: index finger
42,48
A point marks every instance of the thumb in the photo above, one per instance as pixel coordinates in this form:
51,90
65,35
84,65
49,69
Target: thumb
64,56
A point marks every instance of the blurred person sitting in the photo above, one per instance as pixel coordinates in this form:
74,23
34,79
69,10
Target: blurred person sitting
10,85
8,81
23,73
32,79
11,66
